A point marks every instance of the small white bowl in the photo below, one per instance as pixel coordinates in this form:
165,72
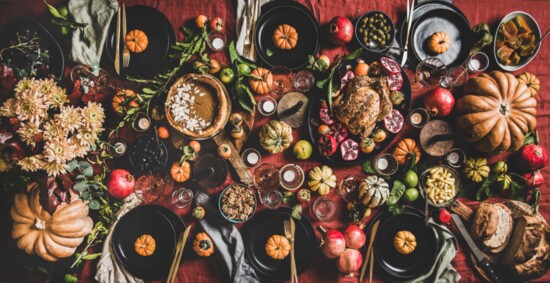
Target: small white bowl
536,30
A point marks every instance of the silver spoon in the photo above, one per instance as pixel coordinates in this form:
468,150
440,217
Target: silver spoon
375,46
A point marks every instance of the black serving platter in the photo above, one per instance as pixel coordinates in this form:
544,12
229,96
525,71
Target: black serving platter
160,34
159,222
314,120
270,222
420,10
453,24
296,15
393,266
47,41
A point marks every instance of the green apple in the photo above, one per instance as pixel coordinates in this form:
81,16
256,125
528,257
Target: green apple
227,75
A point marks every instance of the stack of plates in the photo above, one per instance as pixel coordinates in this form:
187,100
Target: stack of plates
155,220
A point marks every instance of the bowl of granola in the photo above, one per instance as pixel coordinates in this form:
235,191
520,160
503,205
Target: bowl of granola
237,203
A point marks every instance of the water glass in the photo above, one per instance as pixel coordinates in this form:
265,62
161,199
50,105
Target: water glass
303,80
430,72
282,81
455,76
181,198
324,209
477,62
272,199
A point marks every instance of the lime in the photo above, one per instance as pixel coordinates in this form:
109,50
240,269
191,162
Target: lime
244,69
63,11
64,30
303,149
411,194
410,179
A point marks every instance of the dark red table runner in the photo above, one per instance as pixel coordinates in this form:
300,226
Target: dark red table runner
322,269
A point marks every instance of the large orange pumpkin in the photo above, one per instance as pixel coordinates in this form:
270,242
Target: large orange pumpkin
136,41
405,150
496,112
261,80
50,236
285,37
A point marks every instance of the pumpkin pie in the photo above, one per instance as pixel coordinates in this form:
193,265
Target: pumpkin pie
198,106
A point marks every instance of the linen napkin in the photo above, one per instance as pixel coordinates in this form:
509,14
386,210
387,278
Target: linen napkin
228,241
248,12
88,42
108,268
442,271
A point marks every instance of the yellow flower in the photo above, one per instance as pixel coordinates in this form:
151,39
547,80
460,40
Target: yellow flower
70,118
59,150
24,85
30,106
55,169
54,129
28,132
57,97
93,115
32,163
5,164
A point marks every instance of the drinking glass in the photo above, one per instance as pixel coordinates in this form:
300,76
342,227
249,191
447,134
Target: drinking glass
292,177
272,199
267,106
477,62
148,188
303,80
347,188
324,209
266,177
181,198
251,157
282,81
430,72
385,164
216,40
454,77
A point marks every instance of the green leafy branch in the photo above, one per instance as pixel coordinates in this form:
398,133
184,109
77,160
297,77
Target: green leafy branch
242,68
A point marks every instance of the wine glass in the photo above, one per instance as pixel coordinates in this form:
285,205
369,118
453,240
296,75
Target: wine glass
181,198
283,80
455,77
324,209
303,80
430,72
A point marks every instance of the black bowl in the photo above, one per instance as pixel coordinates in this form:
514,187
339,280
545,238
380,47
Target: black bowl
391,32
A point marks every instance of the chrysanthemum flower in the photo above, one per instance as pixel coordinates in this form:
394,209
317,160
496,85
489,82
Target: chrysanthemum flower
28,132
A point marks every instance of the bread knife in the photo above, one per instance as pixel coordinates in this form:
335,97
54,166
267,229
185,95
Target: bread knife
480,257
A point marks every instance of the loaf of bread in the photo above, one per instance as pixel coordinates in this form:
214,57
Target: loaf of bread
492,226
528,252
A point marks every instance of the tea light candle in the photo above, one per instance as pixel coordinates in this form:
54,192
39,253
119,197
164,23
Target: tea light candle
416,118
268,106
218,43
144,123
289,176
382,164
453,157
252,158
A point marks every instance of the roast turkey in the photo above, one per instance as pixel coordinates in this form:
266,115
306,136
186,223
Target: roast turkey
364,102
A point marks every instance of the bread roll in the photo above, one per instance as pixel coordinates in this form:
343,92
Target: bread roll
492,226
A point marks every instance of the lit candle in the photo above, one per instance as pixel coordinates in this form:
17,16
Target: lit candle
144,123
453,157
382,164
289,176
252,158
416,118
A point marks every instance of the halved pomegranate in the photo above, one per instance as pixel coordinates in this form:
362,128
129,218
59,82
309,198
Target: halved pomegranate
390,66
339,132
327,145
394,122
395,81
326,116
349,149
345,79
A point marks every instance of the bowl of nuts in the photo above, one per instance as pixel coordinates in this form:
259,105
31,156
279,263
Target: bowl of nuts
237,203
440,185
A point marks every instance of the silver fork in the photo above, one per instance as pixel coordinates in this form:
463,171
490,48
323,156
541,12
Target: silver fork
288,235
125,51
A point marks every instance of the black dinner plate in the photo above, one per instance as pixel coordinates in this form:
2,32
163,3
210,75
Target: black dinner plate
393,266
302,20
46,41
454,25
270,222
160,34
420,10
314,120
159,222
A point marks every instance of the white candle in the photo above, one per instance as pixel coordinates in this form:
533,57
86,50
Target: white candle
453,157
289,176
416,118
382,164
144,123
218,43
474,64
268,106
252,158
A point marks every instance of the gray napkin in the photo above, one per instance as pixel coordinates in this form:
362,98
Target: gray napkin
109,269
97,14
248,12
228,241
442,271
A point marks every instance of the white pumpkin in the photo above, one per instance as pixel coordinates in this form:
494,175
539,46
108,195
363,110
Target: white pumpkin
374,191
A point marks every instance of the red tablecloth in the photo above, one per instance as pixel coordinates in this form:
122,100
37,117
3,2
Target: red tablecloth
322,269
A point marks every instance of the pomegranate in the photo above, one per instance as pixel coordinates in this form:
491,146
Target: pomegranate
394,122
339,132
533,157
444,216
334,244
326,116
533,179
350,262
346,78
340,30
395,82
390,66
439,102
349,149
355,237
120,184
327,145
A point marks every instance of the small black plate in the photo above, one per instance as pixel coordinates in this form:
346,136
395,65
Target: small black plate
419,11
392,265
47,41
314,120
160,34
268,223
305,24
454,25
159,222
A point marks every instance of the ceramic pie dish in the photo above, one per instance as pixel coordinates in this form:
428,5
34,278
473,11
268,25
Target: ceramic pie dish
198,106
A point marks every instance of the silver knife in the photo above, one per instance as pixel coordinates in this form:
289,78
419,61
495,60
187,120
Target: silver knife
478,254
410,10
292,257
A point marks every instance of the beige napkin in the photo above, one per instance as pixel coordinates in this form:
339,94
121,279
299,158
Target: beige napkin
248,12
97,14
109,269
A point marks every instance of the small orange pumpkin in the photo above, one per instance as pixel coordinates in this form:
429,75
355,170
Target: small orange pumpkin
260,80
404,242
124,100
277,247
531,81
136,41
405,150
180,172
439,42
285,37
145,245
203,245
